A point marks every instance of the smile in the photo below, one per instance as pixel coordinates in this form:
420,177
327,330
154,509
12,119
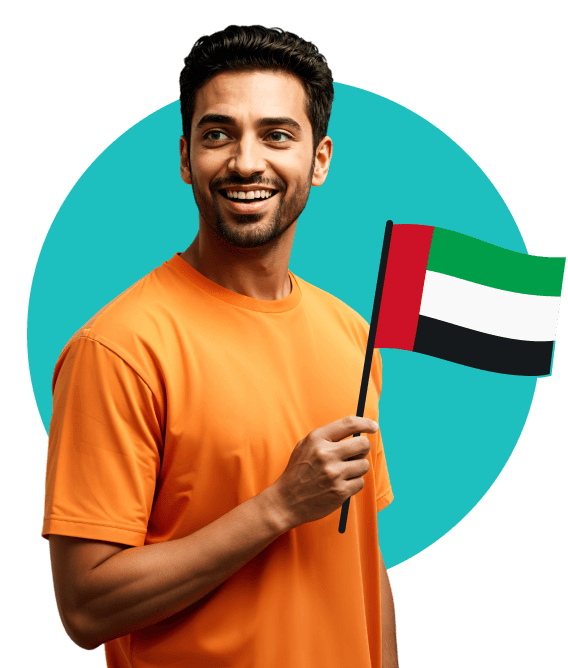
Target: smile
248,196
247,205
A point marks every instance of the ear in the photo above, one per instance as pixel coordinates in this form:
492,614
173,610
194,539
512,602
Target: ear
184,161
321,161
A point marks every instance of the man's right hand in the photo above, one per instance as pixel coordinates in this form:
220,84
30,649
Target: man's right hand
323,471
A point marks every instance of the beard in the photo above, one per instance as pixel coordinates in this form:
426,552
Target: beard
248,233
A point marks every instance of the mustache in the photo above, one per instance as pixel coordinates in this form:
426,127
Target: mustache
236,184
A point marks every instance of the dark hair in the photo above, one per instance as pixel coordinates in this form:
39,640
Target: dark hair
242,48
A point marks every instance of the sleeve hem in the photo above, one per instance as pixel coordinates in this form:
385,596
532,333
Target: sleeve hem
384,500
93,531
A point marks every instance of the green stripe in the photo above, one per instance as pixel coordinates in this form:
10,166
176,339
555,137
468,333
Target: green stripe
477,261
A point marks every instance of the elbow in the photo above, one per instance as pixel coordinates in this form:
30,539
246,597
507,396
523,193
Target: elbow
87,642
80,631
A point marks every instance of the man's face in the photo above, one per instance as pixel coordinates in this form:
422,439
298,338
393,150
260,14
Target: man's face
251,161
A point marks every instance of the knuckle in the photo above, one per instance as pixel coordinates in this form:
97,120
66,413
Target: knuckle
320,453
349,421
332,473
311,439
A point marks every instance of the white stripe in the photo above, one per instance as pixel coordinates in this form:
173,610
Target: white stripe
499,312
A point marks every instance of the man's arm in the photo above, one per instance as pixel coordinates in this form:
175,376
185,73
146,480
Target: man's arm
105,590
390,653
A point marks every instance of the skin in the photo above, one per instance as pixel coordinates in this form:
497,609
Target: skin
255,248
249,253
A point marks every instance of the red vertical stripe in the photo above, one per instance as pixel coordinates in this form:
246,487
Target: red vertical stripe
404,282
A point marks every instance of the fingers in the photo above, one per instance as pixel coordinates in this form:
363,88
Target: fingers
347,426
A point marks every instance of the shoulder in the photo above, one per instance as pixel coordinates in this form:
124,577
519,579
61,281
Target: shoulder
321,302
133,325
324,304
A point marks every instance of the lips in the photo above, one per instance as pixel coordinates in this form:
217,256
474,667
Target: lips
260,194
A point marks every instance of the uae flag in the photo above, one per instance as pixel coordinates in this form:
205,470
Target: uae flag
451,296
444,294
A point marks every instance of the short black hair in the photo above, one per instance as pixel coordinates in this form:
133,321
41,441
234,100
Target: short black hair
249,48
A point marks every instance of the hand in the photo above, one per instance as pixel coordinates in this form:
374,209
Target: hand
323,470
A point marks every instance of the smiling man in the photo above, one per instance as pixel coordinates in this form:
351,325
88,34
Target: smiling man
201,443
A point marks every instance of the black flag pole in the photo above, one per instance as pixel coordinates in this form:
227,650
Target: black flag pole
370,349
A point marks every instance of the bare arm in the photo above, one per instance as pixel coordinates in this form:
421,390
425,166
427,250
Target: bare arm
105,591
390,653
143,585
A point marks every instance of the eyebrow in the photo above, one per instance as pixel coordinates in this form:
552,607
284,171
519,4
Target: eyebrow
263,122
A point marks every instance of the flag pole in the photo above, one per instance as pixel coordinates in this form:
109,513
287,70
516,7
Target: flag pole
370,348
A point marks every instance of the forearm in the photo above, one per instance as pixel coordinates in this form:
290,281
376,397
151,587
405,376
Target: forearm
143,585
389,651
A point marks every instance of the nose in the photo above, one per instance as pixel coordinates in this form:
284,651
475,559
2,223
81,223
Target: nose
248,158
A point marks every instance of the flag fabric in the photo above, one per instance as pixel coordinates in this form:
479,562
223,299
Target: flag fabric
460,299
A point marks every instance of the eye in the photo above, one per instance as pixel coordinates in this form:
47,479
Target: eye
282,134
213,132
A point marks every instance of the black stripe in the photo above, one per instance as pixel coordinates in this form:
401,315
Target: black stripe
482,351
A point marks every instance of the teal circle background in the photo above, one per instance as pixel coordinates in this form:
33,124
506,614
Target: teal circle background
448,430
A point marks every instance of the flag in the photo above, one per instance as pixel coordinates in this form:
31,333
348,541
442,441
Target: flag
451,296
460,299
448,295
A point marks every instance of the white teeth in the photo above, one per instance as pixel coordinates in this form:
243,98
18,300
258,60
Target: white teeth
251,194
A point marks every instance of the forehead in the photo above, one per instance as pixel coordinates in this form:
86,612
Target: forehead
248,96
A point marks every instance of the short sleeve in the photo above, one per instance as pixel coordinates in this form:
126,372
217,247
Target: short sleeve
105,445
383,487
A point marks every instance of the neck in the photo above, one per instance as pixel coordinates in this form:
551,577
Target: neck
260,273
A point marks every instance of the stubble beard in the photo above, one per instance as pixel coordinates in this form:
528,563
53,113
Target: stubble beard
246,234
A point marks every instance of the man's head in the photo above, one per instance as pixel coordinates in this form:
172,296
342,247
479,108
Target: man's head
255,109
247,48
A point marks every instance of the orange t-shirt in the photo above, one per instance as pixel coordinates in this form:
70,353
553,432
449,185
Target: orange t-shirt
180,400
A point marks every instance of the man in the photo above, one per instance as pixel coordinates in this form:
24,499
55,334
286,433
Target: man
199,447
